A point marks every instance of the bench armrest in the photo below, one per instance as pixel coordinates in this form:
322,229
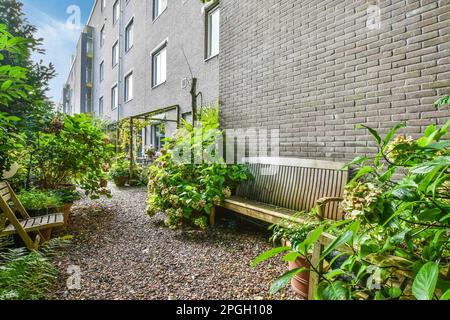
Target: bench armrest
321,204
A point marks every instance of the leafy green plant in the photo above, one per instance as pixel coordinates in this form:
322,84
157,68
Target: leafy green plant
38,200
187,190
120,168
72,150
397,220
28,275
67,195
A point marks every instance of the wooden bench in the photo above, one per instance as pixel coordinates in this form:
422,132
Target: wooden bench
283,187
41,226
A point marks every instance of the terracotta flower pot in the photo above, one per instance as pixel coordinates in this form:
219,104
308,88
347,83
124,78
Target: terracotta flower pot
120,181
300,283
104,183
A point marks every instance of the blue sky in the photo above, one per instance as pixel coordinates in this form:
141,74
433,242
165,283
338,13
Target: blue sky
60,34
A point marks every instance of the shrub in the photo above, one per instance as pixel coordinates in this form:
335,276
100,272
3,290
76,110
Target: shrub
38,200
184,190
73,150
397,224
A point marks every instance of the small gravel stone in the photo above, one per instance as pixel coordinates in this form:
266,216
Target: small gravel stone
125,255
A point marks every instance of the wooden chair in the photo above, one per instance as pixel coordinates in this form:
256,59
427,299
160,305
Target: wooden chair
283,187
40,227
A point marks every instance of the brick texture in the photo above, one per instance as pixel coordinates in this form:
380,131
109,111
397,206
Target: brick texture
314,70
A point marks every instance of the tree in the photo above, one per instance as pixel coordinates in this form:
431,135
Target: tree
35,109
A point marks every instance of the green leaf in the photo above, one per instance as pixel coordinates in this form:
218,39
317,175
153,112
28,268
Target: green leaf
425,281
340,240
6,85
445,296
395,292
363,172
291,256
356,161
391,133
442,101
336,291
284,280
373,132
269,254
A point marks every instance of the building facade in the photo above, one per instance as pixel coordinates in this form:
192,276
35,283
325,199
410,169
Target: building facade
311,69
145,54
77,92
315,69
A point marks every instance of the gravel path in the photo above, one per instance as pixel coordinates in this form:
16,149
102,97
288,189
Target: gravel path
124,254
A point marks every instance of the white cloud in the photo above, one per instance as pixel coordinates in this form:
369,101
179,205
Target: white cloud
60,41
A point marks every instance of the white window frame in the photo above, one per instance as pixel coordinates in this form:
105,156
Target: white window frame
102,71
128,86
209,13
102,36
115,54
101,106
114,98
129,40
156,72
116,14
157,11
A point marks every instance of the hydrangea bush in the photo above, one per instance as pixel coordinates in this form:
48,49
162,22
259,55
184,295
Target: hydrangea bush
185,191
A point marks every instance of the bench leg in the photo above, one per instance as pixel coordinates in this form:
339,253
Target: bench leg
212,216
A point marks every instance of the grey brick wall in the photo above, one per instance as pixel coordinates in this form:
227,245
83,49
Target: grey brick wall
314,70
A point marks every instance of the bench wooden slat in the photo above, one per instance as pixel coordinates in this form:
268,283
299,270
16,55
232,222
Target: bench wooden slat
37,223
26,227
6,197
293,184
260,211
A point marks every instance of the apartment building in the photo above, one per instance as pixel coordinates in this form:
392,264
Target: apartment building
312,69
77,92
145,53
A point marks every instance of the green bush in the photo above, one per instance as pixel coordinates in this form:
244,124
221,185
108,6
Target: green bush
397,224
186,191
120,168
73,150
38,200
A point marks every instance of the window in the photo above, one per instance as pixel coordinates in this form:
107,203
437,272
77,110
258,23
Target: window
158,137
102,36
102,71
100,107
115,54
128,92
116,12
187,117
159,66
129,35
158,7
114,97
213,32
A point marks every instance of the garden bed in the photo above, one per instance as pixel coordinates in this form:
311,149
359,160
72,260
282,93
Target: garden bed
124,254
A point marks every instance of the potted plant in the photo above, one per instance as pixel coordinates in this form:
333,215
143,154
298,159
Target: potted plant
67,198
38,203
120,172
291,234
